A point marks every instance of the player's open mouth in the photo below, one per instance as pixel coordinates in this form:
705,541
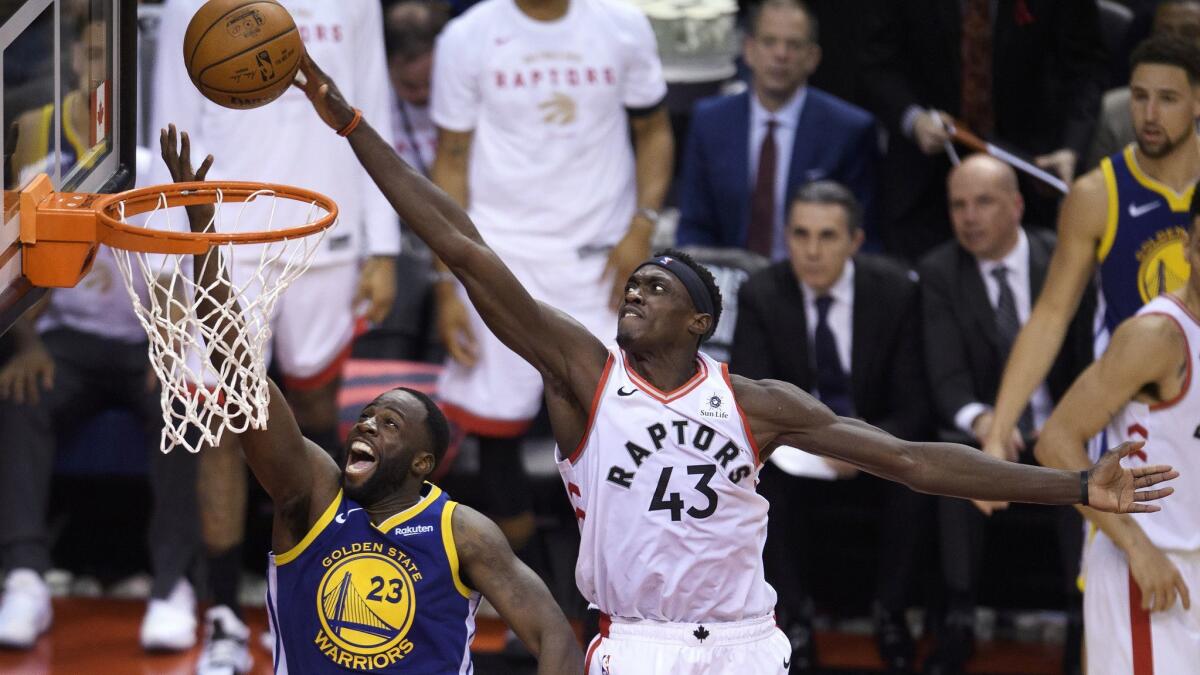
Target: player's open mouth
629,311
362,458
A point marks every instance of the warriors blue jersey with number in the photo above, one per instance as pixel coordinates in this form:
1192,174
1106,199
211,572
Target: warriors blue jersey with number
1141,254
353,596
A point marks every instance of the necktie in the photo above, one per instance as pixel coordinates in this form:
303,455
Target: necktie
1008,324
833,387
761,235
976,66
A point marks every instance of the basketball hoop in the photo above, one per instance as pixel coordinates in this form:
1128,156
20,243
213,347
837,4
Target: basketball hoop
60,233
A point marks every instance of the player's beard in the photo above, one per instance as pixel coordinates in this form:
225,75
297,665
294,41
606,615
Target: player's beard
1168,146
388,477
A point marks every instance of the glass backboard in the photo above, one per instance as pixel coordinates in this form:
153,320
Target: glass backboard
68,102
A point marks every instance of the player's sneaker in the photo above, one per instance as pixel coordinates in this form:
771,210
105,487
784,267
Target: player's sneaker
25,611
226,644
170,624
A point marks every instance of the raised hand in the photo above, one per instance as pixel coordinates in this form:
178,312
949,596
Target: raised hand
1116,489
323,93
176,151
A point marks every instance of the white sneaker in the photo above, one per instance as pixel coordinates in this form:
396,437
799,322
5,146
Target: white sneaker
226,644
25,611
170,624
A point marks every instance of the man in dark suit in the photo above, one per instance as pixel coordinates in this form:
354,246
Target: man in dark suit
976,292
843,326
746,152
1029,73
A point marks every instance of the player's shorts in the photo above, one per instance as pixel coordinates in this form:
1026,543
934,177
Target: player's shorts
501,393
313,325
626,647
1124,639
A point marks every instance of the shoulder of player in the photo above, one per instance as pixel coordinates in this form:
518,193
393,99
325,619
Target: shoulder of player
1146,344
1085,209
765,400
477,538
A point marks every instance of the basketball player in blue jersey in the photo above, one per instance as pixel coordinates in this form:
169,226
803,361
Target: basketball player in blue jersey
659,447
375,570
1128,219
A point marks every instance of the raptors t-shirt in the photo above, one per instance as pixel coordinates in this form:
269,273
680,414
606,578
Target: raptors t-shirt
551,165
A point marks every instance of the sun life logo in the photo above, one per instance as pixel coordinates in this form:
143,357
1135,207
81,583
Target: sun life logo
715,407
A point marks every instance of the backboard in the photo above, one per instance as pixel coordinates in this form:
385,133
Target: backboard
68,103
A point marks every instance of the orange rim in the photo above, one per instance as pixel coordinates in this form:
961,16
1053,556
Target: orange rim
142,200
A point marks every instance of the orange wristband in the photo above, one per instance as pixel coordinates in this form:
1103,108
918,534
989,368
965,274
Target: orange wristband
346,130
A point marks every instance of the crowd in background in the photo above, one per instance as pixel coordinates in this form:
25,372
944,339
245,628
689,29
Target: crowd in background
858,257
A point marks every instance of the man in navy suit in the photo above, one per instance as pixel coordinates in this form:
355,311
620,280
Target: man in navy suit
745,153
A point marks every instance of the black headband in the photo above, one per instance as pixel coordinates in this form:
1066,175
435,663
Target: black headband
691,281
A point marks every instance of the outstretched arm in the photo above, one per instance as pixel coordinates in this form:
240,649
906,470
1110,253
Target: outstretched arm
559,347
1146,350
299,476
521,598
782,414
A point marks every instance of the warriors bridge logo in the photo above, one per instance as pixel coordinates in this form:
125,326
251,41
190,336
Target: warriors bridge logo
366,604
1162,263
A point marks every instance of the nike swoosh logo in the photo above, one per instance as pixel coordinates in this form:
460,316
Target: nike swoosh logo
621,392
787,663
341,517
1137,211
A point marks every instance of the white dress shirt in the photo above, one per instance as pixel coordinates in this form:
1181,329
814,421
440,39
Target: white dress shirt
1017,264
786,119
841,314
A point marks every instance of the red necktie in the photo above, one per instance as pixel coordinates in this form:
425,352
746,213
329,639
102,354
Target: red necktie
762,204
977,67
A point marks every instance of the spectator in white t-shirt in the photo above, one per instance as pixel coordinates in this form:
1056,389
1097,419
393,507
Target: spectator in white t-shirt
534,101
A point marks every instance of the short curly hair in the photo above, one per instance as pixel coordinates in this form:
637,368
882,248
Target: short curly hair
1169,50
710,283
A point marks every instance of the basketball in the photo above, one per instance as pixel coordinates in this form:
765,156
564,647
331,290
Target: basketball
242,53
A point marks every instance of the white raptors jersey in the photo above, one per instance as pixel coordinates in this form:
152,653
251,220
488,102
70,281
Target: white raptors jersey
663,485
1171,434
551,166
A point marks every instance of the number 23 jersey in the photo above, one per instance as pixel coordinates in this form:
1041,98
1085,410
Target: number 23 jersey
663,486
353,596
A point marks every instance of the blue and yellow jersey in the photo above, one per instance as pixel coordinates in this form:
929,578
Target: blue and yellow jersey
353,596
1142,253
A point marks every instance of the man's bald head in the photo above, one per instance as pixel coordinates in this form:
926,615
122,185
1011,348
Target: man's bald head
981,167
985,206
410,31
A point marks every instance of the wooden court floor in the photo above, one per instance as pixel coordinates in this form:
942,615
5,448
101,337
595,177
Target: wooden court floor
99,637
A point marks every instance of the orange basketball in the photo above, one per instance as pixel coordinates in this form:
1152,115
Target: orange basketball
242,53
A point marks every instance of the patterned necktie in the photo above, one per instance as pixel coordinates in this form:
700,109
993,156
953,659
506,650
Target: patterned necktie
761,235
833,387
1008,324
976,67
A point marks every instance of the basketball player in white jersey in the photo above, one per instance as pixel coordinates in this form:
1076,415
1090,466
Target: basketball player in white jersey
660,447
1139,572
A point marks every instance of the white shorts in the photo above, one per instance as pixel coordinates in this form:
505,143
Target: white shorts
1124,639
312,327
627,647
501,393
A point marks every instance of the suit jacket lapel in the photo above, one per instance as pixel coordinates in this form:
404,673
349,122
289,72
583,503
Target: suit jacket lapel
739,149
975,297
861,323
1039,260
807,128
793,323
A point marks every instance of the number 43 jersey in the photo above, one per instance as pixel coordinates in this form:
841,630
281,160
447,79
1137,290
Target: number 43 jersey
663,486
355,597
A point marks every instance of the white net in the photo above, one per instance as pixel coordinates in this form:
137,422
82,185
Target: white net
211,362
